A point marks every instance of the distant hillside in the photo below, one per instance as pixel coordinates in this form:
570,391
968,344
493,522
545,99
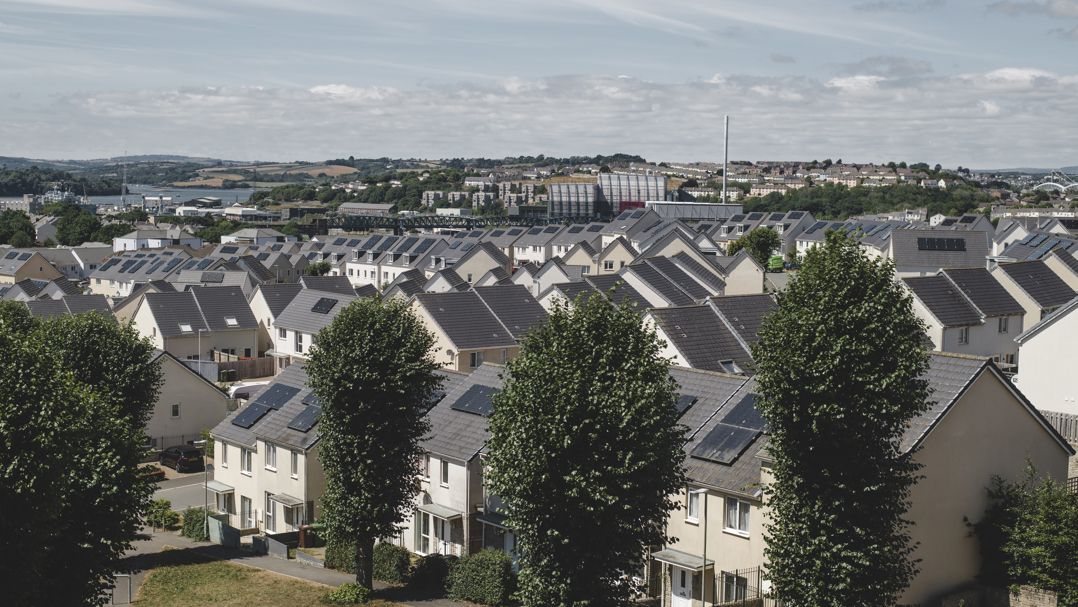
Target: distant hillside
14,162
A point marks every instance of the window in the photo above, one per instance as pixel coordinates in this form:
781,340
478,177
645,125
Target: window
295,464
231,321
98,281
477,359
245,461
247,353
585,269
469,278
224,454
423,530
608,265
623,264
1003,324
963,336
737,516
505,355
282,333
734,587
246,521
445,473
175,410
424,466
271,457
154,330
270,525
350,272
692,512
299,342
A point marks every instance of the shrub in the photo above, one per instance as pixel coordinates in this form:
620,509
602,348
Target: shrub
341,555
348,594
391,563
431,574
194,524
486,578
160,514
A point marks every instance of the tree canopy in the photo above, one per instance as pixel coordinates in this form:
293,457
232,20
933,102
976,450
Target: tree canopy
585,452
374,372
831,201
13,222
839,370
761,244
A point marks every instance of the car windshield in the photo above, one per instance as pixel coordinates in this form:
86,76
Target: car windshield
191,454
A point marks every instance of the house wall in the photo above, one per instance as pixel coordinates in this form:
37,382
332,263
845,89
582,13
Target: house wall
476,266
1033,310
308,484
363,273
493,355
265,322
36,268
287,344
546,277
987,432
1048,359
453,495
654,299
619,255
668,350
201,405
934,330
1062,270
745,278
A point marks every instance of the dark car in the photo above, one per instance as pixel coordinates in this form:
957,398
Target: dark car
182,458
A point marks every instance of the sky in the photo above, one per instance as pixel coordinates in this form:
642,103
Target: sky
975,84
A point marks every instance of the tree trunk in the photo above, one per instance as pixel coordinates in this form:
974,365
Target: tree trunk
365,560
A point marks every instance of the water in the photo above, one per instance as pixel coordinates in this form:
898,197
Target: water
179,195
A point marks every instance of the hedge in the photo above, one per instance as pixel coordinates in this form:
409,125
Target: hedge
431,574
160,514
348,594
486,577
194,524
391,563
341,555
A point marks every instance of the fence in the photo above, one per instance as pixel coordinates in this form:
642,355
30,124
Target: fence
247,368
1064,423
156,444
744,587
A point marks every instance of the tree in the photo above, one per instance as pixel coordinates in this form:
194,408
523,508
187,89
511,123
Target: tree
75,395
761,244
374,371
21,241
114,230
318,268
12,222
583,515
76,227
291,228
839,371
605,169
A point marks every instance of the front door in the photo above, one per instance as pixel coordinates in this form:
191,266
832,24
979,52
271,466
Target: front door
681,593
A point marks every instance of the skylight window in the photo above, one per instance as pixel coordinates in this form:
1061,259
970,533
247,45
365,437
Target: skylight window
186,328
231,321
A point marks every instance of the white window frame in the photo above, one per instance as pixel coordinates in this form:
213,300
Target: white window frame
424,467
299,342
476,359
740,511
224,454
443,479
608,265
505,355
963,336
692,506
295,464
282,333
1004,324
271,457
175,410
245,461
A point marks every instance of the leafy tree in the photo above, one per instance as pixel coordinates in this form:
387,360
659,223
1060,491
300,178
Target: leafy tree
583,516
319,268
761,243
374,371
291,229
12,222
21,241
113,230
75,394
77,227
605,169
839,367
49,243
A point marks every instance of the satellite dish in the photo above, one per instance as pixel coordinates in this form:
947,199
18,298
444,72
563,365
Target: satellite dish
1014,379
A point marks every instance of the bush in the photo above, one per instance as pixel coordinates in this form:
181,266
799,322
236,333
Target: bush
348,594
391,563
431,574
341,555
194,524
486,578
160,514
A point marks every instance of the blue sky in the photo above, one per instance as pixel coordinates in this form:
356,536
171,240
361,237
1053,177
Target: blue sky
977,84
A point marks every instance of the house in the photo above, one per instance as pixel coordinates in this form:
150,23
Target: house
978,426
68,304
744,275
195,324
466,332
744,315
17,266
296,326
480,259
1035,286
568,292
697,337
514,307
267,302
918,252
553,272
1048,357
1064,265
233,278
953,324
659,291
445,281
187,404
123,274
153,238
497,276
328,284
1002,315
535,245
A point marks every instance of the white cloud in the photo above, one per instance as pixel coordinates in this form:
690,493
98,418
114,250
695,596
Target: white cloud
975,119
1055,8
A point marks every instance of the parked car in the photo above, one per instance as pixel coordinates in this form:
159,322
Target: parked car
182,458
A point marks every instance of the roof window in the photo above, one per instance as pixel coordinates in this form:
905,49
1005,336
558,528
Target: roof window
231,321
186,328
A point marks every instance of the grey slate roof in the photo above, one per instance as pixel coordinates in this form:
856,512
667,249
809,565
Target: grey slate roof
717,394
69,304
273,427
46,308
943,300
366,291
905,252
572,290
491,249
660,284
514,306
170,310
328,284
745,313
1066,258
673,273
256,269
298,316
605,282
457,434
700,335
278,296
948,376
984,291
697,270
218,303
1038,281
465,320
149,271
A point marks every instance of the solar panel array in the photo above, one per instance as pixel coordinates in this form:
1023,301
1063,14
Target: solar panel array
205,263
387,242
276,396
435,397
476,234
190,264
1028,238
370,242
351,243
551,229
407,244
262,256
684,401
312,399
475,400
625,215
515,231
339,242
724,443
745,414
229,250
596,227
1038,240
704,227
423,246
13,255
576,229
776,217
795,215
306,419
455,245
251,414
756,216
25,256
497,233
941,244
968,219
460,235
109,263
467,246
127,265
172,264
816,226
534,231
737,218
637,214
324,305
153,267
1048,246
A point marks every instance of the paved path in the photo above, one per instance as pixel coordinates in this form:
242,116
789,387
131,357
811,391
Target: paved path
144,557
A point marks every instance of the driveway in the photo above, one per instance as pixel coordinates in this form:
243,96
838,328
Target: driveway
184,489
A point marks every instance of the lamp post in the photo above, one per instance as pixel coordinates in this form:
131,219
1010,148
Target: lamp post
200,353
205,486
703,570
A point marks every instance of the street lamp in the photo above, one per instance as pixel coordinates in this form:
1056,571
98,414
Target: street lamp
206,487
703,570
200,353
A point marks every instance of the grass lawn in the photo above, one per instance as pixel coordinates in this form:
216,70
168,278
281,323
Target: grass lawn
182,579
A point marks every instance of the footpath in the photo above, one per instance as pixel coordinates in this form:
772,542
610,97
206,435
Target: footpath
143,556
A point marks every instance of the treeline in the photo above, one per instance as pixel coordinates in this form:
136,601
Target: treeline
370,166
538,161
832,201
408,196
148,173
36,180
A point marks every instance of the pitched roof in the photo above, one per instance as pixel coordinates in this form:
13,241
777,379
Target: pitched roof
328,284
1066,258
514,306
984,291
256,268
623,290
668,290
672,272
366,291
943,300
906,249
1043,286
171,310
298,315
697,270
278,296
701,337
745,313
465,320
457,434
221,303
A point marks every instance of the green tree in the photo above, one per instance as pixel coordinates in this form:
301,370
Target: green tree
21,241
761,244
111,231
76,227
374,371
839,369
584,515
318,268
12,222
291,228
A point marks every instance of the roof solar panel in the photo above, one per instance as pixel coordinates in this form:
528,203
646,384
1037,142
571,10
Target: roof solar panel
262,256
515,231
14,254
423,246
460,235
339,242
625,215
968,218
745,414
476,234
497,233
576,229
1038,240
108,264
534,231
475,400
796,215
171,264
1044,249
324,305
276,396
387,242
684,401
205,263
312,399
596,227
407,244
776,217
127,265
551,229
250,414
155,265
435,397
704,227
190,264
306,419
140,255
724,443
637,214
1028,238
755,216
351,243
466,246
370,242
229,250
25,256
455,245
737,218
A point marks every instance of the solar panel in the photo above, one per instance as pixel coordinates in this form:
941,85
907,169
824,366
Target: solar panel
476,234
423,246
596,227
312,399
737,218
205,263
724,443
466,246
276,396
576,229
262,256
460,235
407,244
351,243
25,256
154,266
1038,240
305,419
212,277
229,250
625,215
836,225
171,264
455,244
387,242
127,265
795,215
776,217
339,242
140,255
968,218
250,414
637,214
756,216
435,397
534,231
684,401
475,400
704,227
14,254
816,226
948,221
745,414
324,305
1028,238
370,242
169,253
108,264
1044,249
190,264
497,233
551,229
515,231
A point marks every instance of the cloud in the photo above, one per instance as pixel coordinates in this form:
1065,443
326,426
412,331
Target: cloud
943,118
901,7
1056,8
779,58
888,67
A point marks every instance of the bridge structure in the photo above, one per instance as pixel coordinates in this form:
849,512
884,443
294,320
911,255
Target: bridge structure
1058,181
402,225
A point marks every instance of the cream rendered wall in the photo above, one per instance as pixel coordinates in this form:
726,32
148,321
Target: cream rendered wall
36,268
934,329
287,344
616,253
454,495
1048,360
745,278
309,484
280,480
987,432
1062,270
265,321
188,345
442,346
244,484
201,405
1033,311
668,349
579,257
654,299
478,265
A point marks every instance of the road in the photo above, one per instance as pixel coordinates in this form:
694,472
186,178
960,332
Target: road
184,490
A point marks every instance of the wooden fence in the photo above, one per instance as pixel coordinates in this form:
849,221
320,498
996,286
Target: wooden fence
1064,423
248,367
